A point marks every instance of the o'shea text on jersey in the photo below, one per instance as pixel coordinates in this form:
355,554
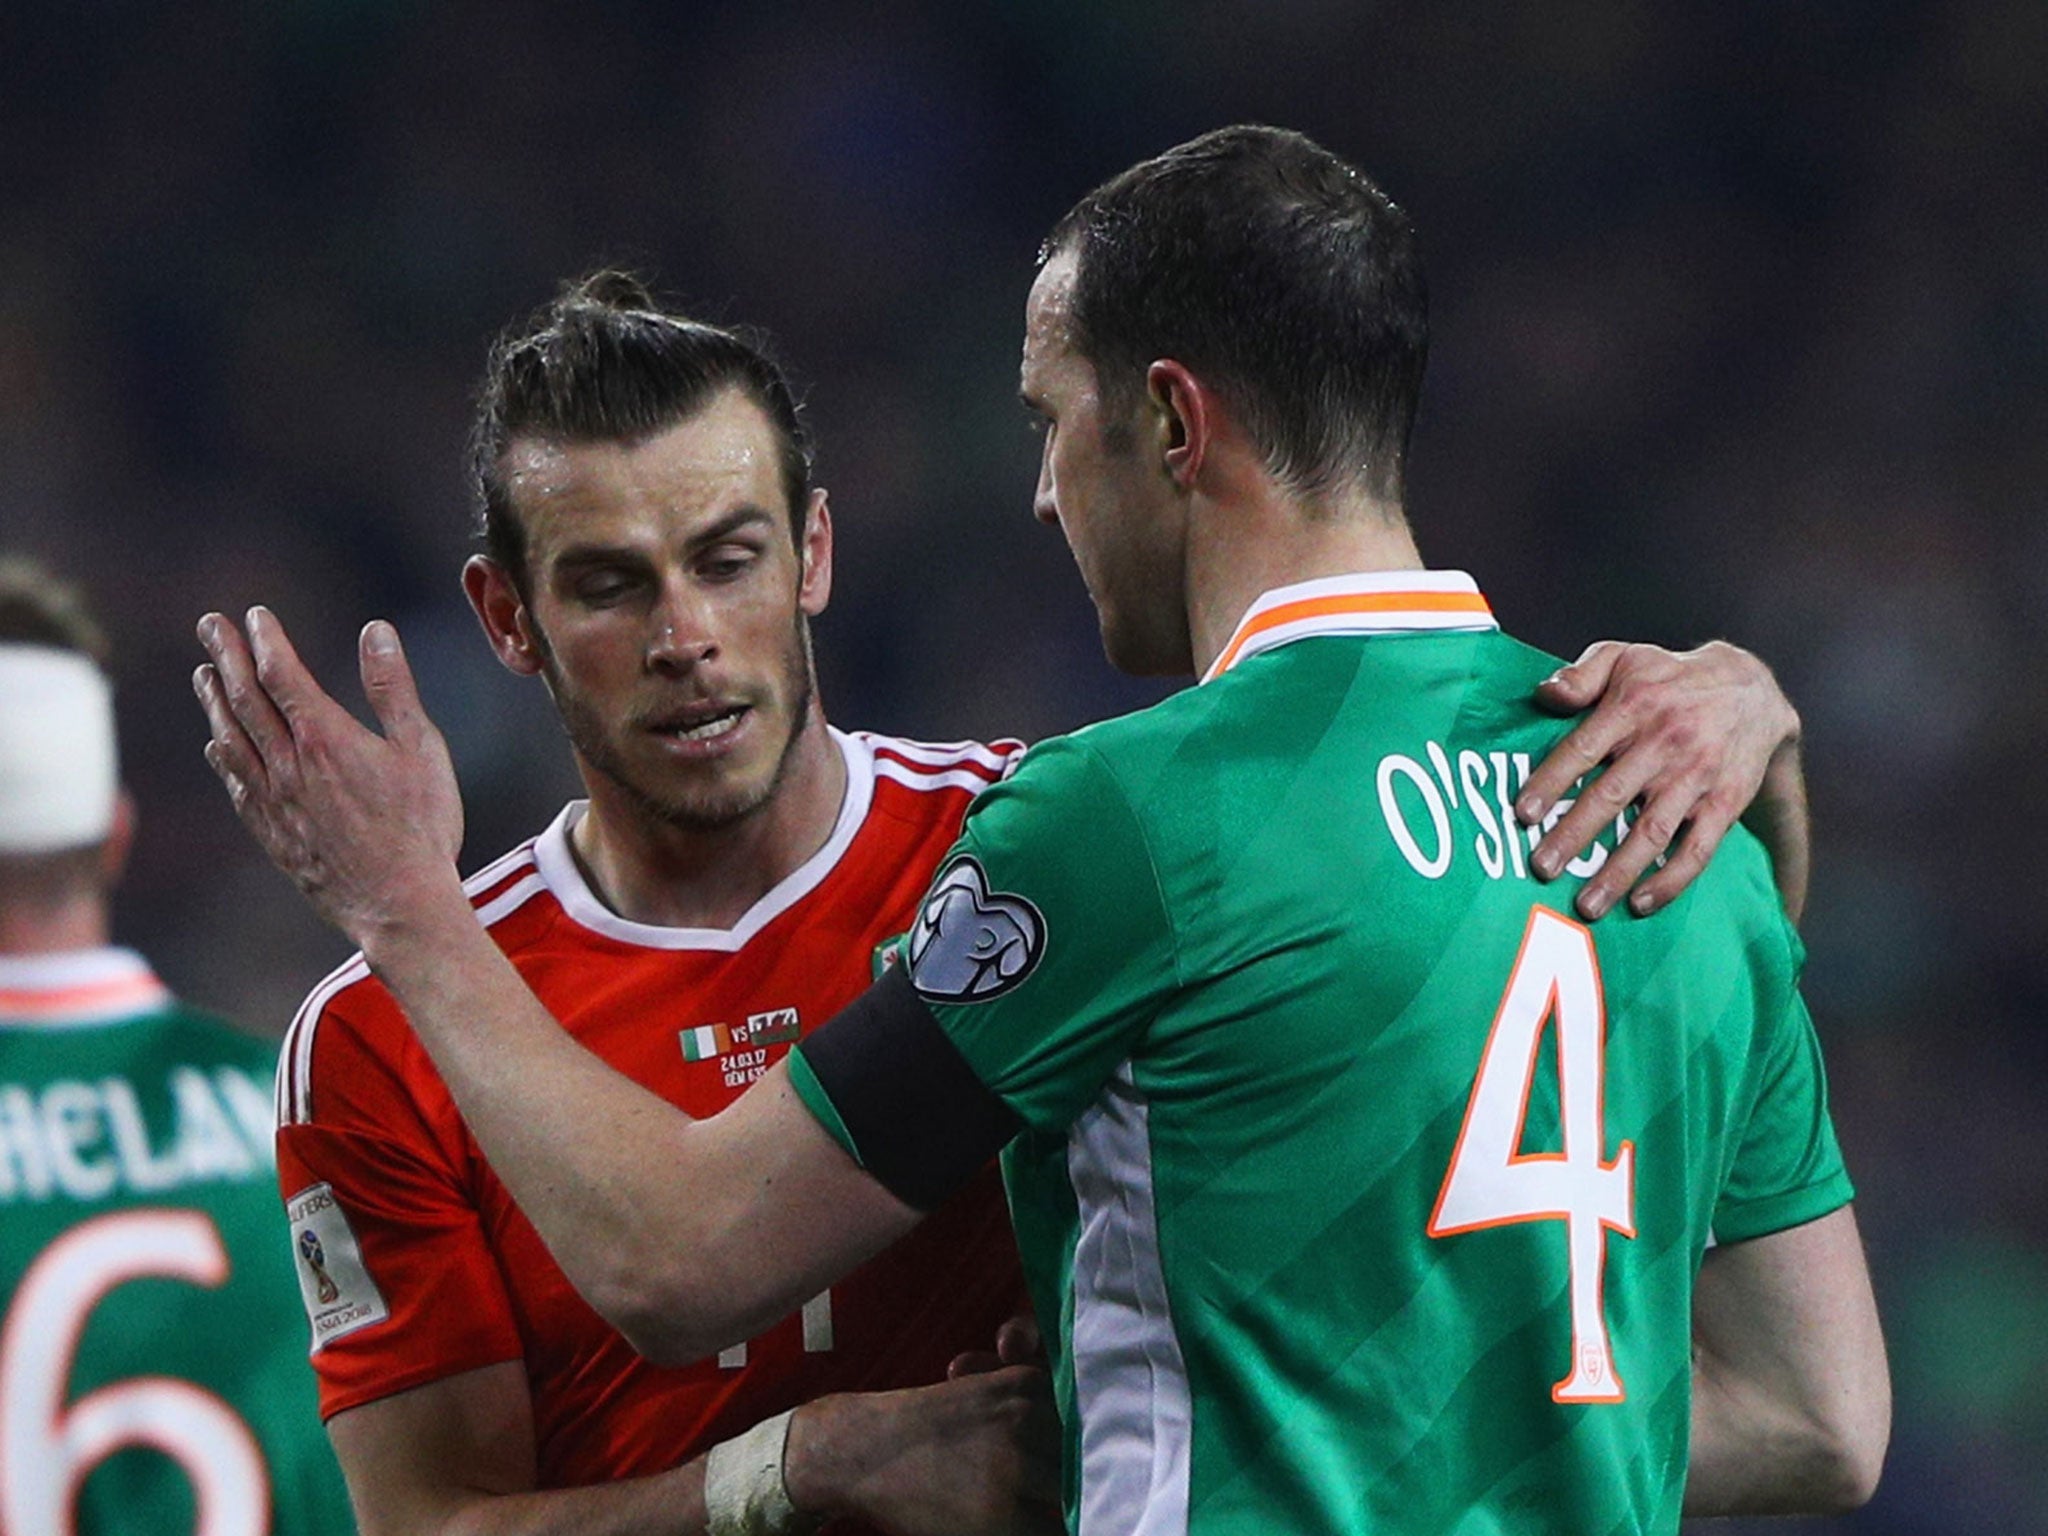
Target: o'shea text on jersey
1435,810
90,1140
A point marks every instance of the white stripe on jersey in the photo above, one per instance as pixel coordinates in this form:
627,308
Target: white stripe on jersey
995,757
510,900
295,1054
972,779
1130,1380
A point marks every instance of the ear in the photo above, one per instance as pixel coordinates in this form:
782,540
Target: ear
120,838
500,609
814,589
1189,416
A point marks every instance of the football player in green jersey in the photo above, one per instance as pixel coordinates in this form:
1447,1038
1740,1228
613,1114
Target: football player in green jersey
1364,1187
153,1374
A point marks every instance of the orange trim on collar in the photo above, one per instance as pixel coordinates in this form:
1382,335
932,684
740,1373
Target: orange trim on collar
54,1002
1346,603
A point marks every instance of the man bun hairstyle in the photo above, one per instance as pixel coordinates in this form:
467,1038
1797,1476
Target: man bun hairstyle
1277,273
605,362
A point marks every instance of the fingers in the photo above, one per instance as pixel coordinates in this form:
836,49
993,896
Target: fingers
389,685
1590,744
1018,1343
243,695
284,677
974,1362
1648,836
1572,688
229,752
1709,824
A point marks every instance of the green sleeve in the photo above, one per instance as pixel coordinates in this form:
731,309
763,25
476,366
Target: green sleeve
819,1102
1787,1169
1054,860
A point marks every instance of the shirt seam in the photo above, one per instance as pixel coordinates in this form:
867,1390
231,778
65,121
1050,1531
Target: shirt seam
1127,801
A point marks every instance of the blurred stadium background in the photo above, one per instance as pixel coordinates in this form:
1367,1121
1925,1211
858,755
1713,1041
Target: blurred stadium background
1741,329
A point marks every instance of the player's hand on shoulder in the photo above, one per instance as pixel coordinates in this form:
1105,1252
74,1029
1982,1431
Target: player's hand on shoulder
1688,736
978,1455
360,821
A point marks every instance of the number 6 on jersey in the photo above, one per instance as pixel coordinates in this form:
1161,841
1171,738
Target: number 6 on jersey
1492,1183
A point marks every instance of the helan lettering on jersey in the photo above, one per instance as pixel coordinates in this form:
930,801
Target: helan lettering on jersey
1434,813
89,1140
741,1049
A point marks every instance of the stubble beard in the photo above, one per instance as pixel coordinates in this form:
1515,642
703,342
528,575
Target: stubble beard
714,808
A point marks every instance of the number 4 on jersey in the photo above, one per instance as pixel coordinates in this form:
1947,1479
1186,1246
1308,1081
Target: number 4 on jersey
1492,1182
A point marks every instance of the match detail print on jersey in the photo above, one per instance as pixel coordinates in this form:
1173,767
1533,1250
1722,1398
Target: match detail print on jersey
969,945
1492,1182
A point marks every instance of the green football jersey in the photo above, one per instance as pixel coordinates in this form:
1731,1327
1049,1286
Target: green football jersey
153,1370
1362,1189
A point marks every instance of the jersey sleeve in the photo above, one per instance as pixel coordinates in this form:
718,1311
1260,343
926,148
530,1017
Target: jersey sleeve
1787,1168
1040,953
400,1285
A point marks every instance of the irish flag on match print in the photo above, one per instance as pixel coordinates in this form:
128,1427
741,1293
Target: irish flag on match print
706,1040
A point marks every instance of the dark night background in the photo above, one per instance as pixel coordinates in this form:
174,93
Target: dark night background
1741,329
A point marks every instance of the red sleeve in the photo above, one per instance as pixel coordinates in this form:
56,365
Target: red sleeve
400,1284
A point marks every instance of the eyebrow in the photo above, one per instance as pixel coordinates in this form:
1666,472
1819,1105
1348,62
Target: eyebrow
739,517
577,556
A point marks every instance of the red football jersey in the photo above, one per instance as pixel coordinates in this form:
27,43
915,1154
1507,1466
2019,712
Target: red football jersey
416,1264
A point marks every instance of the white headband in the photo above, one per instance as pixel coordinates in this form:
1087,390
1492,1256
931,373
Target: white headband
57,770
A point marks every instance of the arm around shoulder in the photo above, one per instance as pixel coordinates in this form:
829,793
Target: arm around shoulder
1791,1393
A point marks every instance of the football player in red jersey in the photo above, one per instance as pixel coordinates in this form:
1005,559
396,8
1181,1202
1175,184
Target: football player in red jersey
655,550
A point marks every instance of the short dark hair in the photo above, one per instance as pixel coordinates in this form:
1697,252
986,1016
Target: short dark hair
36,608
1279,274
604,362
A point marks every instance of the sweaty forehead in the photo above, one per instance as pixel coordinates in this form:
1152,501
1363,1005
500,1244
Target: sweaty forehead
693,473
1048,318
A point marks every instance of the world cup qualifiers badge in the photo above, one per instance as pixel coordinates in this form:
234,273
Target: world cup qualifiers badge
970,944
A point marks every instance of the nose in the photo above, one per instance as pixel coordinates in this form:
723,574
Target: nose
679,636
1044,501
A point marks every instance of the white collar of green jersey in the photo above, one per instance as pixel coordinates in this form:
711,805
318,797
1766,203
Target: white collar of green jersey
78,986
1360,603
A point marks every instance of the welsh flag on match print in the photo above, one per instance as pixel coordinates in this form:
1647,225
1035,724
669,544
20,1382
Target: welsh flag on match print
706,1040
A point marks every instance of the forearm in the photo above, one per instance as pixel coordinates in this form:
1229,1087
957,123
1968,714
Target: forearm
1791,1398
1753,1455
667,1504
596,1162
1780,819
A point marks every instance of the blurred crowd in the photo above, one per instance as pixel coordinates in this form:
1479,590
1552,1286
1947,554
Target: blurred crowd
1741,328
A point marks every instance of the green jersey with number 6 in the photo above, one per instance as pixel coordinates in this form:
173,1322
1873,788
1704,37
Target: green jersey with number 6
153,1371
1361,1188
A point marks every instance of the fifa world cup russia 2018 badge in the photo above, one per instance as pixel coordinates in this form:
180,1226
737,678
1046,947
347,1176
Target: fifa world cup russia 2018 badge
316,1260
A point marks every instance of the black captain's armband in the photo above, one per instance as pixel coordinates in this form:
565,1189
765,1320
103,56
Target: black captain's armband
922,1121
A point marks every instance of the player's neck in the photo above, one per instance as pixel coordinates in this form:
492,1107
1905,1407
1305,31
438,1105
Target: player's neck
1240,551
675,877
34,929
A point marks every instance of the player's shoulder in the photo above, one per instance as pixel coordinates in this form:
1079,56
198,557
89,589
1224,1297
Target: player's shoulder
173,1030
926,774
350,1016
216,1034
